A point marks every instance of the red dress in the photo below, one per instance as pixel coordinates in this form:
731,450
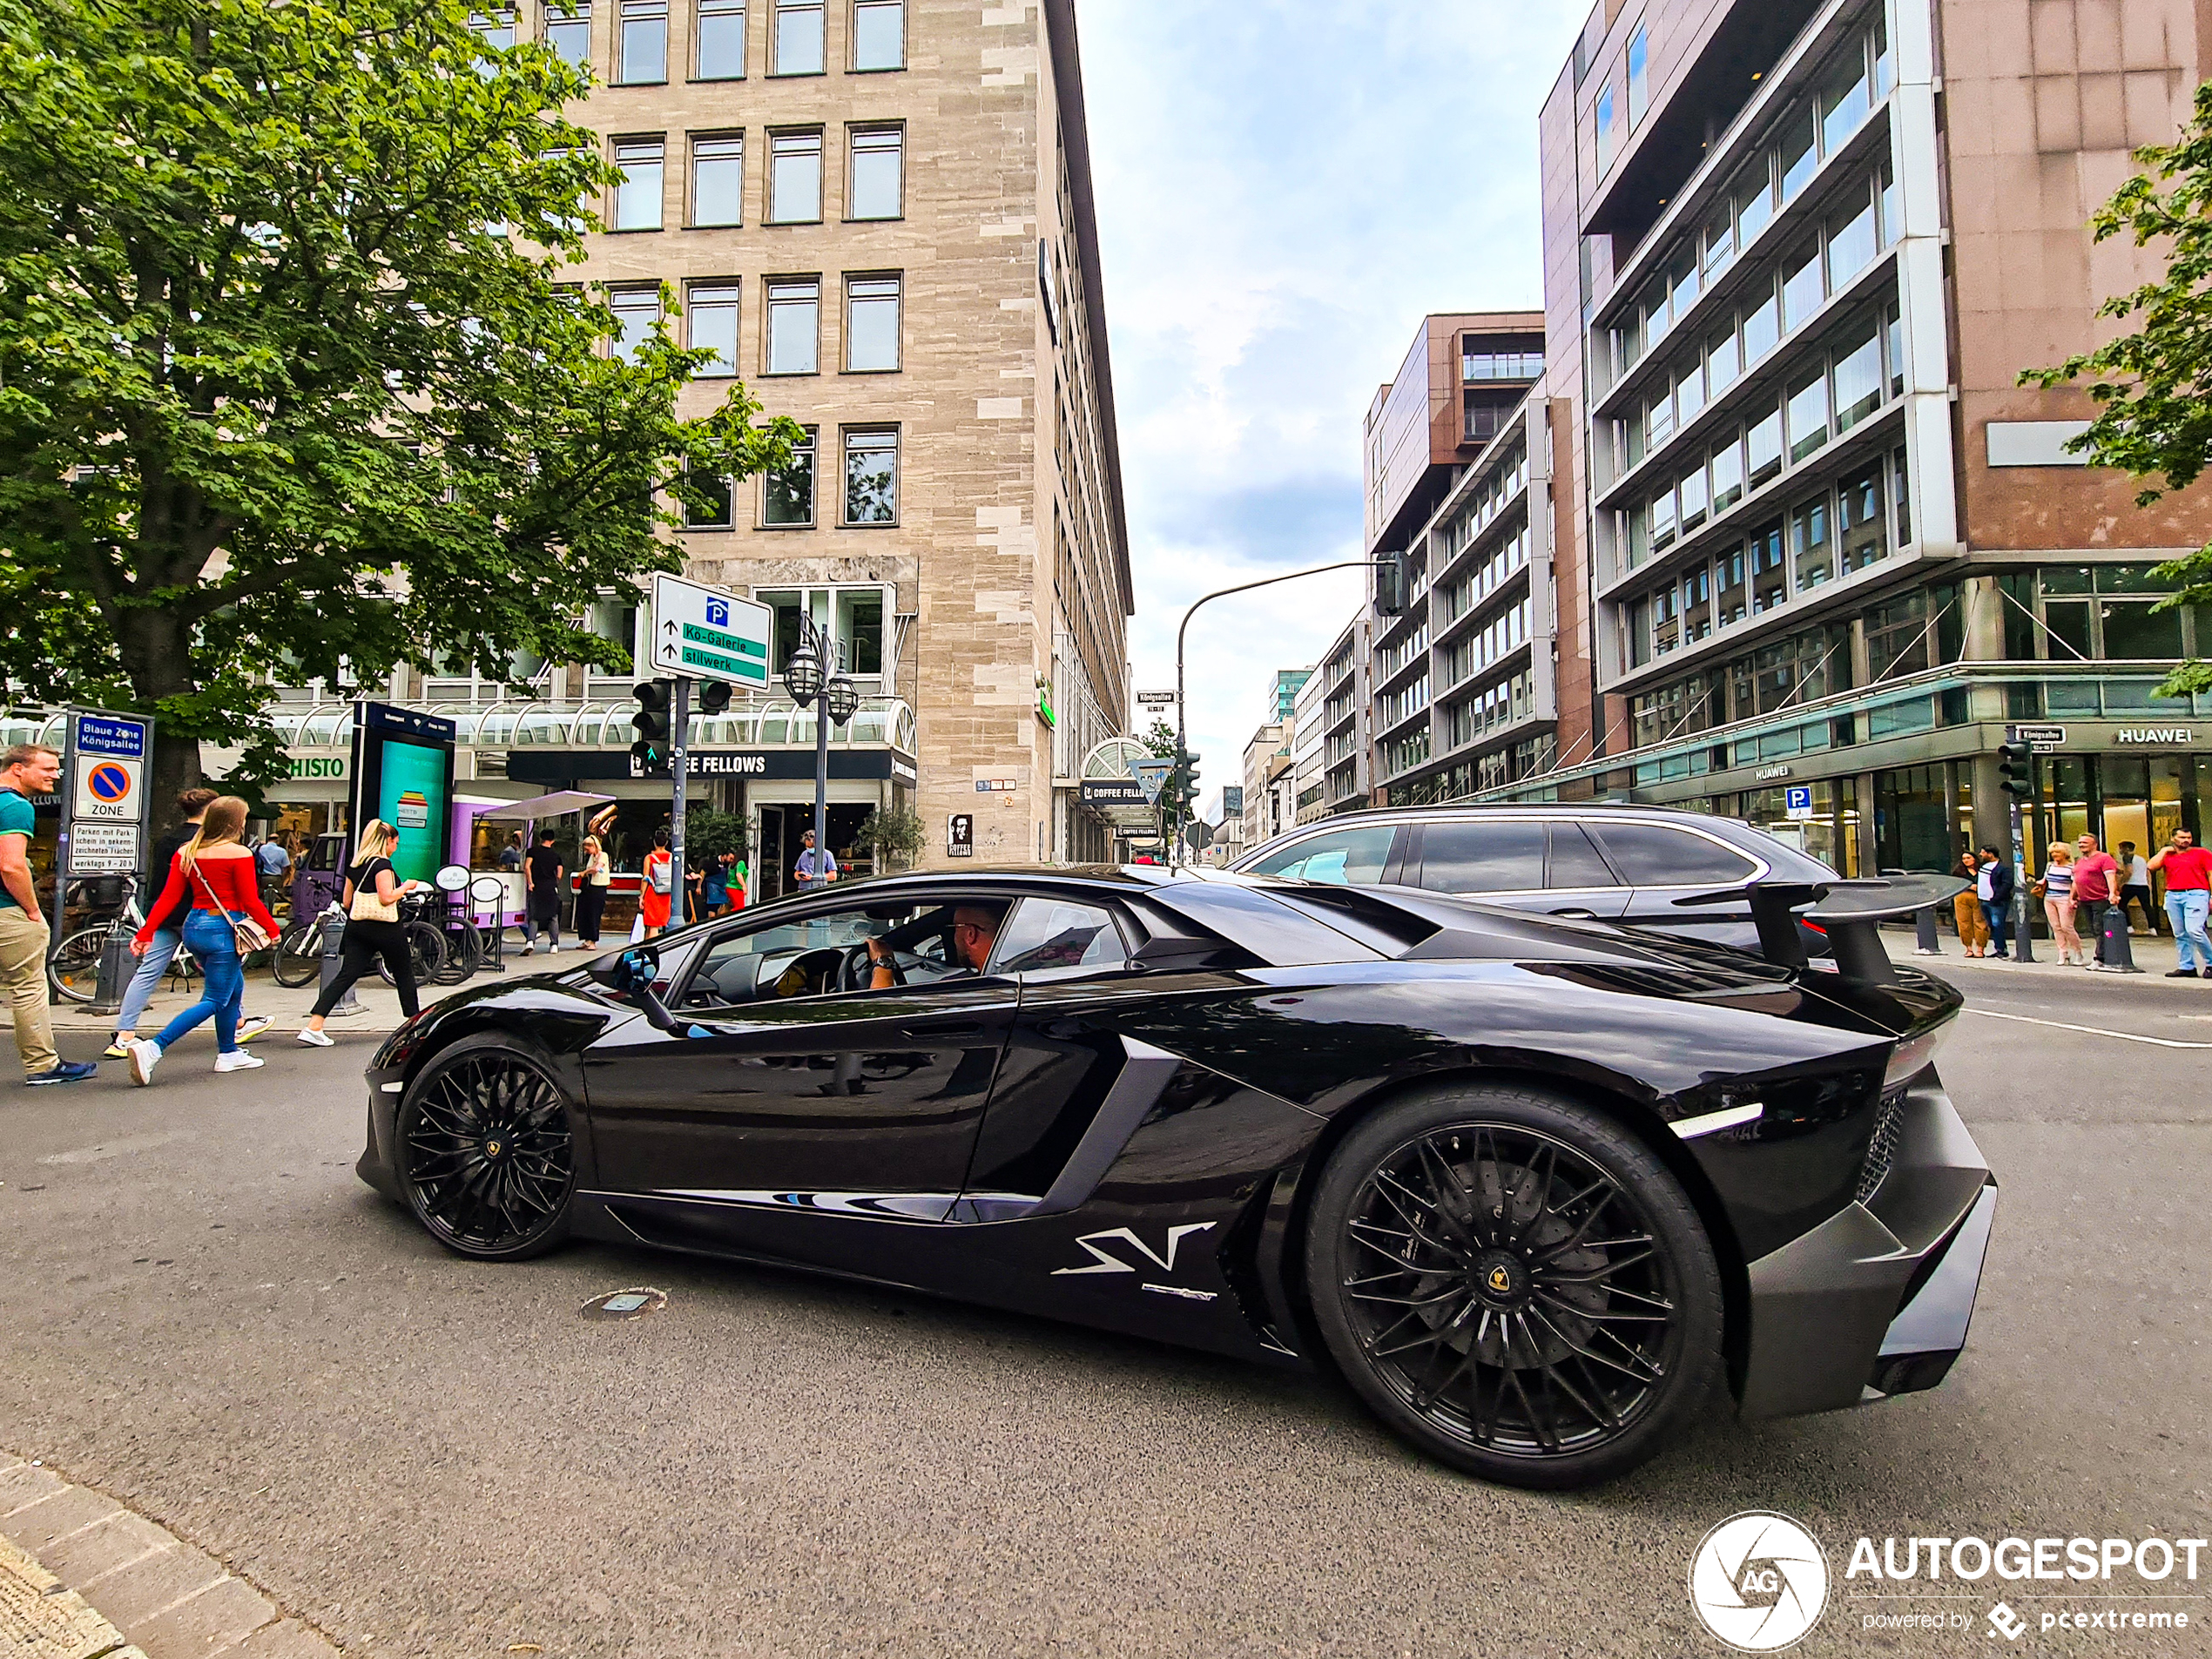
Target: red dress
654,907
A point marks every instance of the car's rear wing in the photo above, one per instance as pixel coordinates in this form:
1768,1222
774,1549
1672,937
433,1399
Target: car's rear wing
1849,911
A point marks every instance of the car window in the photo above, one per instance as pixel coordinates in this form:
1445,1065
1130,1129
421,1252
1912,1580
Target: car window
1351,857
1482,857
802,957
1048,934
1658,855
1576,863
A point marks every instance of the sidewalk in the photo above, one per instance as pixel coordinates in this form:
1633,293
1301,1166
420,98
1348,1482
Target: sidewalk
2156,956
380,1003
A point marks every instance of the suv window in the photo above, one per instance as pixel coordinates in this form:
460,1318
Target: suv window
1048,934
1576,863
1656,855
1483,857
1352,857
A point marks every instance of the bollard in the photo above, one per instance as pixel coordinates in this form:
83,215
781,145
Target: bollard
117,966
1927,944
2119,954
334,930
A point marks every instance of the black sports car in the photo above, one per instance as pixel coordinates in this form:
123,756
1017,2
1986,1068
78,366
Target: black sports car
1533,1186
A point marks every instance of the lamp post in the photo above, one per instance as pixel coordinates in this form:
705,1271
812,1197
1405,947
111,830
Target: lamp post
815,679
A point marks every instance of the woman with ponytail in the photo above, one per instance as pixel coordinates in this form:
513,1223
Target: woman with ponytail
214,874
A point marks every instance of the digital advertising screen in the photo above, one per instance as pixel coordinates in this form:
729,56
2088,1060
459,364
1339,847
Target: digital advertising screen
403,774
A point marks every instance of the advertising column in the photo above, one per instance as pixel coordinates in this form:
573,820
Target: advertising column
403,773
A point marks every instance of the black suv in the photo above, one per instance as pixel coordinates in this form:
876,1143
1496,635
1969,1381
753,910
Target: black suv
1636,864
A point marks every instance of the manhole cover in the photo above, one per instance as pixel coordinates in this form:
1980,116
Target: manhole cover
633,1303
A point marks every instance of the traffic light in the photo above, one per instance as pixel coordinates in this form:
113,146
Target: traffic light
1187,783
2015,763
651,724
714,697
1390,584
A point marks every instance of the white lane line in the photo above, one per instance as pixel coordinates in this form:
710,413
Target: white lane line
2095,1031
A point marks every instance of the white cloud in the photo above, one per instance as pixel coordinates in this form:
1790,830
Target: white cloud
1285,188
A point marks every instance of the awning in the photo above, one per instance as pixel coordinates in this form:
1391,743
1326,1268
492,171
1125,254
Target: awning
558,804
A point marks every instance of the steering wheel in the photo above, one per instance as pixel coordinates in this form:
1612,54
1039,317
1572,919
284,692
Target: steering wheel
857,972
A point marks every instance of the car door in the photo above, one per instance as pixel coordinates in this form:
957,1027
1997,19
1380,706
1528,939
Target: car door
1524,862
1664,863
822,1098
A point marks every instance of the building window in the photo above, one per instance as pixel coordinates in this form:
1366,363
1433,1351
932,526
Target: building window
1809,414
795,178
799,36
1865,532
1812,545
636,311
1638,75
788,495
721,40
712,309
1801,291
568,31
1763,444
713,510
1859,376
878,174
638,197
717,180
1604,129
1852,245
642,54
794,326
494,28
878,34
872,477
871,323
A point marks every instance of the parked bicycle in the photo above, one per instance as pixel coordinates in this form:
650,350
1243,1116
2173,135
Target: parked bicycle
73,968
298,960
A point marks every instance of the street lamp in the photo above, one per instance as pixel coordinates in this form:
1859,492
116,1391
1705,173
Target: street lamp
816,679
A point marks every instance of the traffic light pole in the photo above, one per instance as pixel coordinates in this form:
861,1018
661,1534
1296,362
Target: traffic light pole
679,737
2016,768
1182,740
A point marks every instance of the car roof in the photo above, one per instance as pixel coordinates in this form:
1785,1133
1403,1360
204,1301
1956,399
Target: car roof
1787,861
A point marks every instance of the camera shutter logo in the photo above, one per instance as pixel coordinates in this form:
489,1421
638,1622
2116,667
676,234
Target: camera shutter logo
1758,1582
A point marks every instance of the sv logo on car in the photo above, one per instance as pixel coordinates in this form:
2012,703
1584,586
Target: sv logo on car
1103,1263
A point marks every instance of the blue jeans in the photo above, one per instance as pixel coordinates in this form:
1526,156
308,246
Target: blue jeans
2187,911
147,980
2000,917
224,987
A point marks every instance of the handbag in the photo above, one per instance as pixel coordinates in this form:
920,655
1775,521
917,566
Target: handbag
366,907
248,934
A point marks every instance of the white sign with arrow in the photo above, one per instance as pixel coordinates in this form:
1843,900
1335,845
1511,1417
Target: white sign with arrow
1152,776
703,633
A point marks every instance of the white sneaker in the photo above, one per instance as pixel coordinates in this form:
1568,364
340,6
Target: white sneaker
145,1054
250,1028
316,1039
552,950
239,1060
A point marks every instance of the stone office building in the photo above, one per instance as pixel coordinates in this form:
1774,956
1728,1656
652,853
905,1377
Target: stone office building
1796,255
878,213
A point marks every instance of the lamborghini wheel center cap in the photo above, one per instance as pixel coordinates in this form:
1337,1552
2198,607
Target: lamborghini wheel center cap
1502,1279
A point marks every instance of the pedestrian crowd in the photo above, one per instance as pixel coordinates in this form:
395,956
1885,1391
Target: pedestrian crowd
2084,891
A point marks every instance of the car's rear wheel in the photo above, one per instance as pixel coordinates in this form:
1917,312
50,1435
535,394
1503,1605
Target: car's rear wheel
487,1151
1515,1283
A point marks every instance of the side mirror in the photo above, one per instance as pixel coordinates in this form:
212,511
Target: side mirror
630,973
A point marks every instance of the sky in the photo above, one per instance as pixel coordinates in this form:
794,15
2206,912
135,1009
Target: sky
1285,189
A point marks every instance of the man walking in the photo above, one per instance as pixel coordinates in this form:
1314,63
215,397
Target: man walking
814,870
1994,888
2097,880
2189,898
2135,886
545,895
28,769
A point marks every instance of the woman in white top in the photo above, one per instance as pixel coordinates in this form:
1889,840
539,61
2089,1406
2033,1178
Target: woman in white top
2057,888
591,895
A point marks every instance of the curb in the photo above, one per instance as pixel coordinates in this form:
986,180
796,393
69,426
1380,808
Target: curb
83,1577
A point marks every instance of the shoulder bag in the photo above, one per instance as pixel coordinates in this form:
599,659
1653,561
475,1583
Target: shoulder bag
248,933
366,907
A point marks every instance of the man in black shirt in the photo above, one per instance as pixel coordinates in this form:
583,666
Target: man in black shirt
545,895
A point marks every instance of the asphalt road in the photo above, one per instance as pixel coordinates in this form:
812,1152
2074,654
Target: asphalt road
206,1313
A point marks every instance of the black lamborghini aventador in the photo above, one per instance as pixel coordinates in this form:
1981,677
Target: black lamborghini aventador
1533,1186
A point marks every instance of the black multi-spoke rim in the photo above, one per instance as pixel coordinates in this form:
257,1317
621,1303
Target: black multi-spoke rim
1512,1293
488,1153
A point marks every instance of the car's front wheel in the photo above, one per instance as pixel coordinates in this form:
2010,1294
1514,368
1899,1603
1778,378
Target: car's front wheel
487,1151
1515,1283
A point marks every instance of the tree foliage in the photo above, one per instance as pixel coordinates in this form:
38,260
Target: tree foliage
890,834
1159,737
290,377
2153,387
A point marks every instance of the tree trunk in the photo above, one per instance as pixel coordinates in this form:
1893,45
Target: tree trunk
155,651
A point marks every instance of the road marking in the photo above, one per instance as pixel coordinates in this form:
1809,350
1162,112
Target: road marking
2095,1031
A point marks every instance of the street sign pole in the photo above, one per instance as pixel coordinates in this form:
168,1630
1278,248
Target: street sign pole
679,735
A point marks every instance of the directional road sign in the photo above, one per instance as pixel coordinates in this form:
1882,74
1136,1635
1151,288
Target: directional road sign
2044,739
703,633
1153,775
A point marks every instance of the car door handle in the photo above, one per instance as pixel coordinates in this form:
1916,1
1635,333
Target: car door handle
957,1029
1577,916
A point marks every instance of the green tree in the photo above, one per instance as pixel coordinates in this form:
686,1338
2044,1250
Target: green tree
891,835
2153,387
290,384
707,832
1159,739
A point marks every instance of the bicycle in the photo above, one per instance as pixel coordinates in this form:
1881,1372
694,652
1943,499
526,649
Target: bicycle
298,957
73,967
298,960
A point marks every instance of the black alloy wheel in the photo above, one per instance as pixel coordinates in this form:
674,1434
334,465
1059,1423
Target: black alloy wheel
1516,1282
487,1152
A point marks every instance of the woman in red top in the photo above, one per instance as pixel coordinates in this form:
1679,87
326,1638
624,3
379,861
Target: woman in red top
214,874
658,887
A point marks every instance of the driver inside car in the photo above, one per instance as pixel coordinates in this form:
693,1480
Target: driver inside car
975,932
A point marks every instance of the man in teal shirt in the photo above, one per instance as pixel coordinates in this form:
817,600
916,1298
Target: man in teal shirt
27,769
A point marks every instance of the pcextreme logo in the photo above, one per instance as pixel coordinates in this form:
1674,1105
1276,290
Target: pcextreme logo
1758,1582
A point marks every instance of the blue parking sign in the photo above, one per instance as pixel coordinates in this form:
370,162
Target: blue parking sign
1798,799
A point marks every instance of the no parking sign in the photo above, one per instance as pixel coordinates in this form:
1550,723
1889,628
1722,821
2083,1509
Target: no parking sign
106,757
